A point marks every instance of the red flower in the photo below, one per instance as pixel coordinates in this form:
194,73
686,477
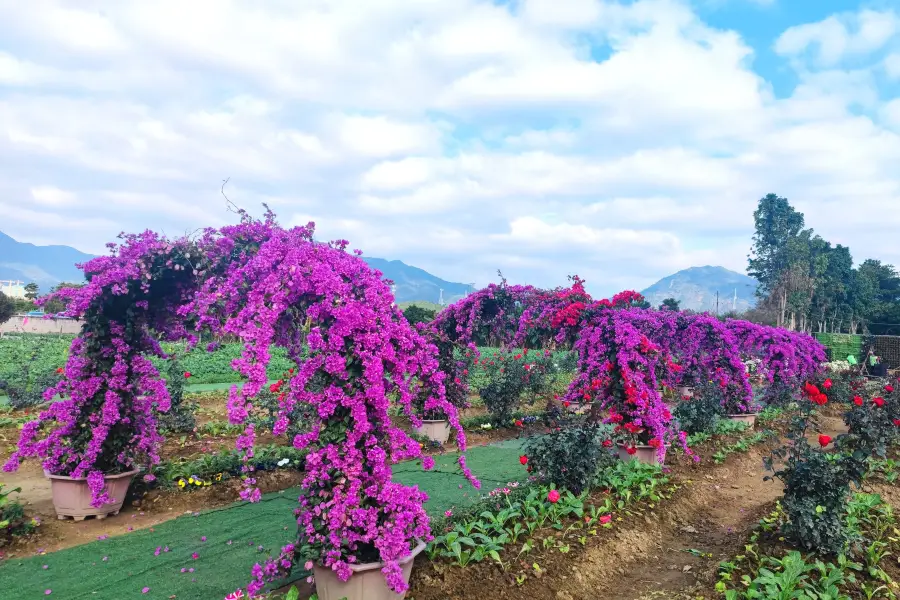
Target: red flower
566,404
654,443
59,370
631,450
820,399
523,460
518,422
605,519
879,402
607,443
889,388
857,400
897,422
187,375
827,384
824,440
553,496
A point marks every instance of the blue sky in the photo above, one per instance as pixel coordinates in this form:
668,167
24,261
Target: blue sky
617,140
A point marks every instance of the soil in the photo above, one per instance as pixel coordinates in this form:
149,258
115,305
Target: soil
670,551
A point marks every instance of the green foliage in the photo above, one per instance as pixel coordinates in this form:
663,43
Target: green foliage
28,366
510,374
416,314
7,308
570,458
12,515
180,418
211,468
701,413
670,304
32,291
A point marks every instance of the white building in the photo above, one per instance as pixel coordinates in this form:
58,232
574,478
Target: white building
13,289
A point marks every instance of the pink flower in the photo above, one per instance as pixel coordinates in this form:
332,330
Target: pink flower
605,519
145,590
235,595
195,556
553,496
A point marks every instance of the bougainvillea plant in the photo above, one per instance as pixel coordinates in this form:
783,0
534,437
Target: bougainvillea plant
265,285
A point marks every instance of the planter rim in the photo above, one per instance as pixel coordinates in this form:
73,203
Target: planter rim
621,445
105,476
752,414
361,567
434,421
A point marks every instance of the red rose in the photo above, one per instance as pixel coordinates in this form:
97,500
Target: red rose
523,460
827,384
631,450
654,443
59,370
897,422
605,519
824,440
889,388
187,375
879,402
518,422
553,496
607,443
857,401
566,404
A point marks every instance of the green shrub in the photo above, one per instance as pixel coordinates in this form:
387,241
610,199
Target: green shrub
702,413
570,458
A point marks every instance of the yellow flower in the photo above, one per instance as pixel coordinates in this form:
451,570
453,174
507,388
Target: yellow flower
181,483
219,477
190,480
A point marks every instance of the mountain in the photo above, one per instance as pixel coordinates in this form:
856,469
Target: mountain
44,265
696,288
412,283
49,265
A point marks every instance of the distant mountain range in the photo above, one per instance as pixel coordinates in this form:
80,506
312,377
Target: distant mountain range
43,265
50,265
696,288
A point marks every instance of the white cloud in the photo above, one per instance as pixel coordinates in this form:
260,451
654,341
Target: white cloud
839,36
461,136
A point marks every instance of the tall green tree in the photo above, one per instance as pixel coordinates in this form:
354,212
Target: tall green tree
32,290
670,304
776,223
416,314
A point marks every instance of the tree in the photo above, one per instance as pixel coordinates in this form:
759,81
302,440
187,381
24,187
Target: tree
670,304
7,308
776,224
32,291
416,314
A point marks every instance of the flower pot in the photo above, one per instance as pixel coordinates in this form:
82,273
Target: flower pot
685,391
437,430
749,419
644,454
366,583
72,496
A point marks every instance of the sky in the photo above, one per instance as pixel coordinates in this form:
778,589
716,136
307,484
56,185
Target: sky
620,141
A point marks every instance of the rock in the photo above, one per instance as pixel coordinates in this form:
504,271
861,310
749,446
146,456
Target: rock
689,529
686,568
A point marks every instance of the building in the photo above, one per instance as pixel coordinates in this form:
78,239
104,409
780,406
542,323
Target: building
13,289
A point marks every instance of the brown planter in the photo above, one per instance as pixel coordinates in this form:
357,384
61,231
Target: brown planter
644,454
437,430
366,583
749,419
72,496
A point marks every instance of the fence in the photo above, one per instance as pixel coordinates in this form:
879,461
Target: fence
842,345
23,324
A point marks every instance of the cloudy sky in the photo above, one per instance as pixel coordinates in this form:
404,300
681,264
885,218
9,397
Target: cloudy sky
617,140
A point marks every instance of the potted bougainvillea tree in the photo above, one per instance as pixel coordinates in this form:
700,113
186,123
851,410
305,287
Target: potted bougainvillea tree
94,439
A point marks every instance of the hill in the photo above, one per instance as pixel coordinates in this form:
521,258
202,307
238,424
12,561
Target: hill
44,265
695,288
412,283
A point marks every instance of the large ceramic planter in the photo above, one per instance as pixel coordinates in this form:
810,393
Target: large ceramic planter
366,583
644,454
748,419
436,430
72,496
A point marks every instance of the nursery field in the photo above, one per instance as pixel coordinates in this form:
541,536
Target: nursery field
658,454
